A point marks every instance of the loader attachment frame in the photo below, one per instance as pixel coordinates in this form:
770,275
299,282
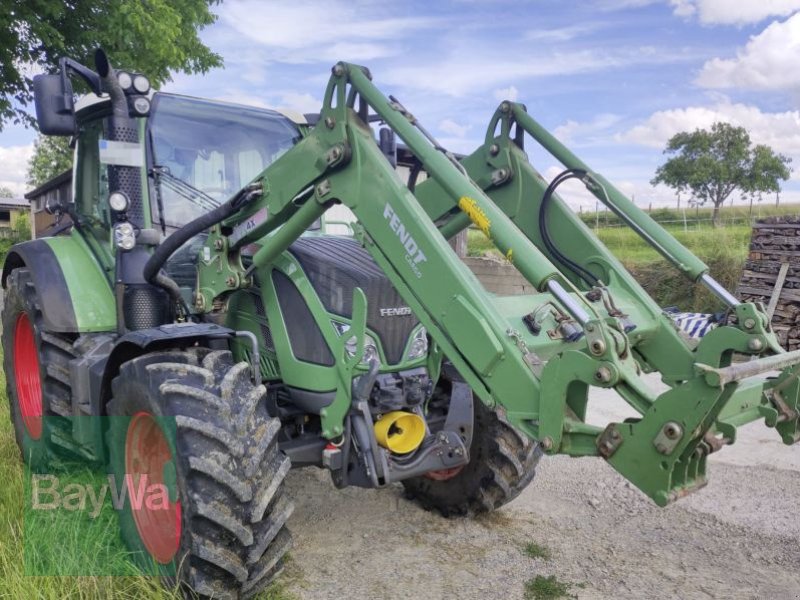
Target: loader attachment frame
534,357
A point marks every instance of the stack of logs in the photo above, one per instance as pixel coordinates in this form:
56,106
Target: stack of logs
775,242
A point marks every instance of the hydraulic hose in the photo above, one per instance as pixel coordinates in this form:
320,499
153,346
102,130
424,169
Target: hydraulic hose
167,248
544,232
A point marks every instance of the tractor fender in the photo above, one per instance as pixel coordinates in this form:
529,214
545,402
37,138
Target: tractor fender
92,373
71,287
136,343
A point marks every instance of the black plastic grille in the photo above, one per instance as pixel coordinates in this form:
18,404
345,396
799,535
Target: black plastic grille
336,266
304,335
266,334
145,306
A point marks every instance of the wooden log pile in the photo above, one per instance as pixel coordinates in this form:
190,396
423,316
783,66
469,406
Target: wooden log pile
775,241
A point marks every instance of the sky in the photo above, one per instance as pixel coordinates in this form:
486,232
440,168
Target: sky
612,79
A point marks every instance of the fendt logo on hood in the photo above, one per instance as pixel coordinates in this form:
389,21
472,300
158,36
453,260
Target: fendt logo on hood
398,311
414,256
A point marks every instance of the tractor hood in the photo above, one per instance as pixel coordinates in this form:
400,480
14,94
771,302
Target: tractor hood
335,266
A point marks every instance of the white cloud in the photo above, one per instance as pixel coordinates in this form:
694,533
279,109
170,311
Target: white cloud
733,12
304,103
561,34
683,8
305,31
768,61
510,93
14,166
455,73
589,132
614,5
453,128
780,130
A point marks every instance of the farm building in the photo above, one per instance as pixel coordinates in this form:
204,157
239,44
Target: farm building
57,190
10,211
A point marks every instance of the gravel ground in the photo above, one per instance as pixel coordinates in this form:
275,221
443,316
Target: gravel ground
737,538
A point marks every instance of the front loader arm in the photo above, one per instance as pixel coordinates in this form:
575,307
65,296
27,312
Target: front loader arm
540,379
340,162
702,401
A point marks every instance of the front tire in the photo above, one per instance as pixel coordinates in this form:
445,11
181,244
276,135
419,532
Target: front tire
195,423
502,463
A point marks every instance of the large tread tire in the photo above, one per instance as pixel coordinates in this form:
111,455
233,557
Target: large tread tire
53,352
229,471
502,463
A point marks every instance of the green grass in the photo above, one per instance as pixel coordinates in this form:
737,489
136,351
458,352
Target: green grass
534,550
478,244
723,249
706,242
702,239
73,550
547,588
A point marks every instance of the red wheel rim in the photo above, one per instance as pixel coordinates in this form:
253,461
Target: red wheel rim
147,453
26,376
444,474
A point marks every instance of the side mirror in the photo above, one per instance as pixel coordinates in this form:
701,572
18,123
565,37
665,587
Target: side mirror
52,95
52,205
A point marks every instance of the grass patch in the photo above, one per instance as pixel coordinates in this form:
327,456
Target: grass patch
547,588
705,242
478,244
723,249
63,544
534,550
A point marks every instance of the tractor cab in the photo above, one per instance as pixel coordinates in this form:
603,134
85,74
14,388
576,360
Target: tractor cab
201,152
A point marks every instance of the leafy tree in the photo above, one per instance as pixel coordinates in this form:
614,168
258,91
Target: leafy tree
712,164
6,192
22,228
51,156
150,36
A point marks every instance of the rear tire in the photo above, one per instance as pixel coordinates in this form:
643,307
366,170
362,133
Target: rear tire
36,365
217,452
502,463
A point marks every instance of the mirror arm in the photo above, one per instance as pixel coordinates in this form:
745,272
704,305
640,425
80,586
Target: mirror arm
92,79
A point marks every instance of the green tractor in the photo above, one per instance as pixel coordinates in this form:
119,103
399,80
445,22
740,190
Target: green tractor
195,323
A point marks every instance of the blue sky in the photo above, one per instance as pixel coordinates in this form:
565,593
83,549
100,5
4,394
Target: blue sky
614,79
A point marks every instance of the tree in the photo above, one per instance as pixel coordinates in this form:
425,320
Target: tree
712,164
6,192
150,36
22,228
51,156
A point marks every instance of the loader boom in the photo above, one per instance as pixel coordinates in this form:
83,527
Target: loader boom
534,357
